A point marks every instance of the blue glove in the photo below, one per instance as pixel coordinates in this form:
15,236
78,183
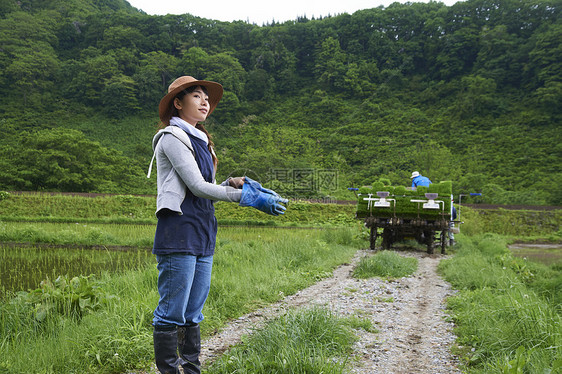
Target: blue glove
258,186
269,203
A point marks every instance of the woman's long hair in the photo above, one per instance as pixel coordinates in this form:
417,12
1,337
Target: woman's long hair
199,126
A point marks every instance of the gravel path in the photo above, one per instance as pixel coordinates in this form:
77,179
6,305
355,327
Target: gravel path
414,335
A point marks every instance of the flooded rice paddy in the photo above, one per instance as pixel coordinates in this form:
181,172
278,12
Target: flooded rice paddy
23,267
548,254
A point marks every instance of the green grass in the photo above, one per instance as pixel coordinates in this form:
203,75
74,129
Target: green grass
128,209
304,341
253,267
543,225
385,264
78,234
507,310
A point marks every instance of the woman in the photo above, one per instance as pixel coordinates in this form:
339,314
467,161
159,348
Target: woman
185,236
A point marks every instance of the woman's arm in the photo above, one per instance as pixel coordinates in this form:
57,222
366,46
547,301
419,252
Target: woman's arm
184,163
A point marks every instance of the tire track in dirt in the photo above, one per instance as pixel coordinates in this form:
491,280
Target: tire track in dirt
421,339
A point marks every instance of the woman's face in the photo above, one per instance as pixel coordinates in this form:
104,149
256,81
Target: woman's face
193,107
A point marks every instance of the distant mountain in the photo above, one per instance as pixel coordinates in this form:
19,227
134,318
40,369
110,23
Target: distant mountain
470,93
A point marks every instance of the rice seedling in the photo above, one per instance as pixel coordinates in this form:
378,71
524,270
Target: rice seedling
24,267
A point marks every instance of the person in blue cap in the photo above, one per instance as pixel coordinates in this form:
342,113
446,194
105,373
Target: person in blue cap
184,242
419,180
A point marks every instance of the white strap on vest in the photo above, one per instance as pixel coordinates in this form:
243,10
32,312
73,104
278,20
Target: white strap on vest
178,133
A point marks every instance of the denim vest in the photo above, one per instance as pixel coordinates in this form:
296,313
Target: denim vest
195,231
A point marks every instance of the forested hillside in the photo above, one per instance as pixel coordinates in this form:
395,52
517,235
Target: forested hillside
470,93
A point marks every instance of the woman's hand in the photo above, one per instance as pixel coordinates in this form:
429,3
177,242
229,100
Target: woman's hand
261,198
237,182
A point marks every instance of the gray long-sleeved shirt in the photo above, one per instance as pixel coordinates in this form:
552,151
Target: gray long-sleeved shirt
177,170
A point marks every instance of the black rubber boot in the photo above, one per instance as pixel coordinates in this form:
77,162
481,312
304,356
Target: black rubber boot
165,349
189,348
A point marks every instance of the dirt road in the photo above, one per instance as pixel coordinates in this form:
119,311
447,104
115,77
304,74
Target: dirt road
414,334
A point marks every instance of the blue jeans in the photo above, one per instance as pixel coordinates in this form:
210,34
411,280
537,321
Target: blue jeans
183,284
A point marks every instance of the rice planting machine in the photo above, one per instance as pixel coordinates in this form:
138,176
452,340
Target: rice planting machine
400,213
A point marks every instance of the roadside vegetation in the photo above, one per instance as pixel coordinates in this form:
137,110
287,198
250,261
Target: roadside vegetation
522,225
507,311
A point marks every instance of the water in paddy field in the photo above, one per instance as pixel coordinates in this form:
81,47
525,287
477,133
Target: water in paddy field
24,267
548,254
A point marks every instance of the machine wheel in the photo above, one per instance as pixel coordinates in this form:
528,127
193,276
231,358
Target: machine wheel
386,239
373,237
443,238
430,236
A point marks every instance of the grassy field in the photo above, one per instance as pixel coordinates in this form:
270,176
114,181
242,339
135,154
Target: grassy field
508,310
128,209
516,224
43,331
97,320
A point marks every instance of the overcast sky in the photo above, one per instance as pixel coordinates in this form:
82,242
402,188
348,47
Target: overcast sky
261,11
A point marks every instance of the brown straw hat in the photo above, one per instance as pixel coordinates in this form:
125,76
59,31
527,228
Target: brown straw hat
213,88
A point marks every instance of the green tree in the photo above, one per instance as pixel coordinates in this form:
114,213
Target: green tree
258,86
120,36
546,56
458,53
477,96
64,160
499,57
225,69
330,69
87,86
31,71
269,54
549,97
164,64
7,6
119,96
28,61
193,62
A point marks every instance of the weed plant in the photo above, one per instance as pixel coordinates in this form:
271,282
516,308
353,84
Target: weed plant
507,313
385,264
306,341
253,267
